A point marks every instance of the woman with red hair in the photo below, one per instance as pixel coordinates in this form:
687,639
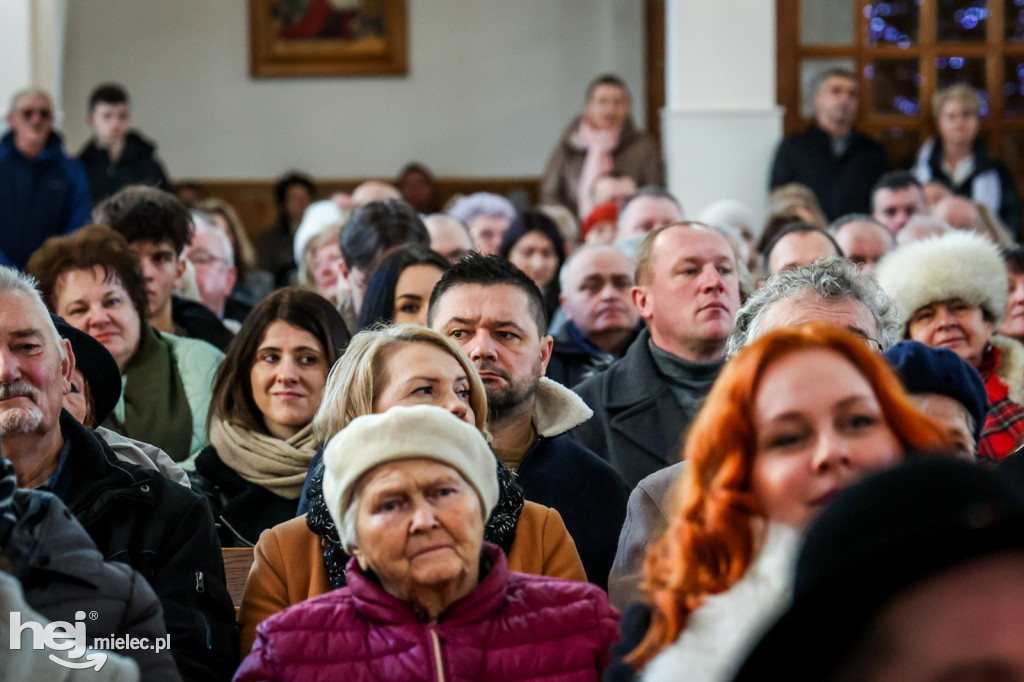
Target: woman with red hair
794,418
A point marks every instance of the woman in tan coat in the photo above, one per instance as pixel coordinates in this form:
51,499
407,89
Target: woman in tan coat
399,365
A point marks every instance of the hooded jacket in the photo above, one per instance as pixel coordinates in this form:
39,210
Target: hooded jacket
41,197
510,627
61,572
636,155
166,533
560,473
137,165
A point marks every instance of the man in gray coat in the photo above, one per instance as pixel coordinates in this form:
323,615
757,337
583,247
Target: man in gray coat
687,292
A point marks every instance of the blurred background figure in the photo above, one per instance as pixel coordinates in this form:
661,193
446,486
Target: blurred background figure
293,193
897,197
534,245
600,140
1013,323
448,236
921,227
213,259
117,156
418,188
862,239
488,217
373,190
601,225
731,213
252,284
957,157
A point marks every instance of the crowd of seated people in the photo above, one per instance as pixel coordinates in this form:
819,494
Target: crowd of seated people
472,438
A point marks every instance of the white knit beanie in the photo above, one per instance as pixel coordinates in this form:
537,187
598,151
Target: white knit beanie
961,265
404,433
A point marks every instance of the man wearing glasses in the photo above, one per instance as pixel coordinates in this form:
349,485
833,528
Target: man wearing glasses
43,192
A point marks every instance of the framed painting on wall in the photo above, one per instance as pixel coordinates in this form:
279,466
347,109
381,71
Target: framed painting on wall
290,38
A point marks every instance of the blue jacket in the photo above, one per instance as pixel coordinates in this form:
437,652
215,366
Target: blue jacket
40,197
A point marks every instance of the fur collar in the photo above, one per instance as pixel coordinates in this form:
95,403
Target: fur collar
1011,366
556,409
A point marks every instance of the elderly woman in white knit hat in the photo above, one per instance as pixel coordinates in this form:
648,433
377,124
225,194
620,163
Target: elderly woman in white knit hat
951,291
410,490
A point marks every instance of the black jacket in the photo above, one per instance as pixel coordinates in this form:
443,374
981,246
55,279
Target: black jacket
199,322
589,494
61,572
166,533
241,510
138,165
841,184
637,424
572,362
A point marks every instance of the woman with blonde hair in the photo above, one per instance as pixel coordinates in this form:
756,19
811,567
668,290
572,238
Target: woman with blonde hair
402,365
956,155
772,446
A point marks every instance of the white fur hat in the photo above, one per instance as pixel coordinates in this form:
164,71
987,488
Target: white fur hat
961,265
404,433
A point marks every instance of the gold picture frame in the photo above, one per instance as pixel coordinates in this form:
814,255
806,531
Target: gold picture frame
289,38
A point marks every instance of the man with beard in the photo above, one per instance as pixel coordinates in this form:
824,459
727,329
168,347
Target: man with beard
496,314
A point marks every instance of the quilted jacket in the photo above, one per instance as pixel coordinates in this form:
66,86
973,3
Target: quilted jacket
511,627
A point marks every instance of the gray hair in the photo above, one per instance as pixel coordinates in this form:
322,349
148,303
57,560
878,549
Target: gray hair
482,203
25,93
12,280
834,279
203,221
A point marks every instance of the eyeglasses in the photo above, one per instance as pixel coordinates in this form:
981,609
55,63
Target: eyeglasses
874,344
204,258
43,113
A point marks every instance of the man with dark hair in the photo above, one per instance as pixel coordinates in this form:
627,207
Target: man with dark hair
495,313
796,245
601,139
838,163
43,193
896,198
687,291
158,227
116,156
370,234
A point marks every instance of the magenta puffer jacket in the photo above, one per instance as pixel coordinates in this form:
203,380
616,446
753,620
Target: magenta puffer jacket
513,626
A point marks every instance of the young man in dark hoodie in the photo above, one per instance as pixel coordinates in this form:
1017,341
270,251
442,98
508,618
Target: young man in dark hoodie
116,156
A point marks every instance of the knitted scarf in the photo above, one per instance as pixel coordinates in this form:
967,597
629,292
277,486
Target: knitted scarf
598,161
278,465
499,530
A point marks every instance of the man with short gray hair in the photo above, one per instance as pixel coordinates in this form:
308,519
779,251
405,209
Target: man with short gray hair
43,193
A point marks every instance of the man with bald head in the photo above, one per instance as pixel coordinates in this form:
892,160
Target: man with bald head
601,322
960,212
687,292
798,244
862,239
448,236
43,193
645,210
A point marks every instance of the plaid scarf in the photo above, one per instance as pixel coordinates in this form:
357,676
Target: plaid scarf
1004,425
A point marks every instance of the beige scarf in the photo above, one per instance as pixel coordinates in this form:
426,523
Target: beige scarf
278,465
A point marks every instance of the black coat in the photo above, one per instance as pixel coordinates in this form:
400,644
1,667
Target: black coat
138,165
571,362
199,322
841,184
61,572
166,533
637,425
241,510
589,494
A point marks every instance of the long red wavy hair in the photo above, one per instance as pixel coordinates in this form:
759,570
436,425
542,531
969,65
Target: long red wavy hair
711,540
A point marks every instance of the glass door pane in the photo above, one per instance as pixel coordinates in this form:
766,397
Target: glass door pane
892,22
961,21
826,22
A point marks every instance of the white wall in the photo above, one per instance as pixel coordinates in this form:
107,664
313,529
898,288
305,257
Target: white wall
490,86
720,124
15,48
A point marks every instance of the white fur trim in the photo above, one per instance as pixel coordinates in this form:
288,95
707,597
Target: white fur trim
957,265
1011,366
557,409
